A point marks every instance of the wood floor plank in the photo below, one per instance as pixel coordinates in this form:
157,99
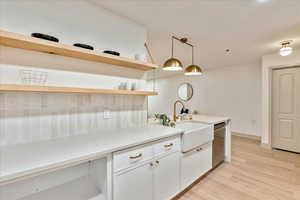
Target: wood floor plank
255,173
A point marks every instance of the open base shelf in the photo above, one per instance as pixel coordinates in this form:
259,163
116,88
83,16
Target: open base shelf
85,181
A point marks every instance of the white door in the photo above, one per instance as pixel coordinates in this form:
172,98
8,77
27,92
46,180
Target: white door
136,184
286,109
167,177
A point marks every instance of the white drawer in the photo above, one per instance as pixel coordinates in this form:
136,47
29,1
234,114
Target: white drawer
167,146
133,156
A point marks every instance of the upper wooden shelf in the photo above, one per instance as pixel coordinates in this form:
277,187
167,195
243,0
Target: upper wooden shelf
35,44
52,89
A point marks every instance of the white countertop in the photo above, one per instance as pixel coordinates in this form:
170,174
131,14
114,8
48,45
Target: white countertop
26,159
210,119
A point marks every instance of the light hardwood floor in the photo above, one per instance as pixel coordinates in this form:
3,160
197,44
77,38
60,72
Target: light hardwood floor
254,174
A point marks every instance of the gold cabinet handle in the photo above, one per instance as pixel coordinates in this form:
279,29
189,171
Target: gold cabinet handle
168,145
135,157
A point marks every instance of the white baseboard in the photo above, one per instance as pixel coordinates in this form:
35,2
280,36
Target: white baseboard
253,137
266,146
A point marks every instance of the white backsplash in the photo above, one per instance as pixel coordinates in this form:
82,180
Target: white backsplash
31,117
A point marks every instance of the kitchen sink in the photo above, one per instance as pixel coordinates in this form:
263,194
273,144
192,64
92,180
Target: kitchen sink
195,134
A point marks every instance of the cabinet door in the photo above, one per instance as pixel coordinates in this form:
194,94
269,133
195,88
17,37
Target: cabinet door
167,177
195,164
135,184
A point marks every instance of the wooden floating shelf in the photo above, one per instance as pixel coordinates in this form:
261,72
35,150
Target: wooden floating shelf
52,89
16,40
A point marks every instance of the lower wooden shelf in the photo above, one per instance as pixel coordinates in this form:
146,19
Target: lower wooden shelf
52,89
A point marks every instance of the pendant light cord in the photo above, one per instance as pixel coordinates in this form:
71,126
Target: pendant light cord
172,46
192,55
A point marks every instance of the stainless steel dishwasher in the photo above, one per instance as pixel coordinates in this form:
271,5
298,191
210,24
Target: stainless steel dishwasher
218,153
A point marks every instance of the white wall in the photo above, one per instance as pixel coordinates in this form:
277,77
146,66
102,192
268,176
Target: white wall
26,118
270,62
234,92
72,22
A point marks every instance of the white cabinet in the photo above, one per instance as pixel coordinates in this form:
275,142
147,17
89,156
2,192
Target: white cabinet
166,177
195,164
148,172
158,171
135,184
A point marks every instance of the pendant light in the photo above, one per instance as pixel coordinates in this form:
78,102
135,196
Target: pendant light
193,70
172,64
286,49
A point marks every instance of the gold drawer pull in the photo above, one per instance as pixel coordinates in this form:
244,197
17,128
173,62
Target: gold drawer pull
135,157
168,145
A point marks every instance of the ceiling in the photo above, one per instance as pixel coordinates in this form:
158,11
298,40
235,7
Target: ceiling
249,28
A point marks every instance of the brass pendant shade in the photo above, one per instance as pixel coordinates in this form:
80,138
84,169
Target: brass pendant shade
172,64
193,70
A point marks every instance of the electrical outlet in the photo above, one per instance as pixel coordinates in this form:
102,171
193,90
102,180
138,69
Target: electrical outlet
107,114
253,121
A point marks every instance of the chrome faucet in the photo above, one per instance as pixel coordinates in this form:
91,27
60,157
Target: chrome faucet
175,117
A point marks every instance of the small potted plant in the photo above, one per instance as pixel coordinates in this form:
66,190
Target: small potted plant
164,120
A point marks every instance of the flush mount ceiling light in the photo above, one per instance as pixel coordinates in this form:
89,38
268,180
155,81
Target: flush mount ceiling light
286,49
172,64
263,1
